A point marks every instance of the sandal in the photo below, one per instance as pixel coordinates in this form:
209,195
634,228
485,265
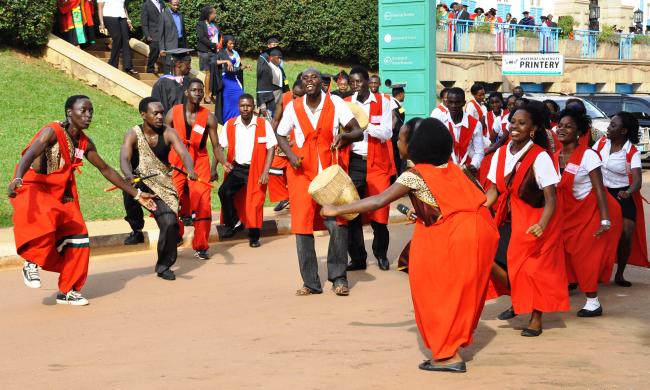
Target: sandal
303,291
341,290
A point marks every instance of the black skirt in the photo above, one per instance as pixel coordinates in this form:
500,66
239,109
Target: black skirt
627,205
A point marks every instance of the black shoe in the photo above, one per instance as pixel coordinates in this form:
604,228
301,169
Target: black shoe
506,315
167,275
202,254
136,237
187,220
622,282
383,263
573,286
590,313
254,243
231,231
179,241
531,332
453,367
356,266
281,205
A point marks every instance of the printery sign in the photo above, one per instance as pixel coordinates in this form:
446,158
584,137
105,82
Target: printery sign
536,64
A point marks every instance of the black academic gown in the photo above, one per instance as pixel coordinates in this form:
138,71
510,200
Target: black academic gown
169,92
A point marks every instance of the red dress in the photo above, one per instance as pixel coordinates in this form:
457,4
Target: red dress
449,261
589,259
49,230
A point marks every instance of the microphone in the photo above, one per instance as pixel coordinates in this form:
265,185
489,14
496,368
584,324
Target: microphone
406,211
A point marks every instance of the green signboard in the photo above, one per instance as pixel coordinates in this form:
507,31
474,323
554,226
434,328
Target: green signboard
407,51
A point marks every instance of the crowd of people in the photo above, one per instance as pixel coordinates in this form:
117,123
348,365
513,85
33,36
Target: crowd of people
459,12
511,196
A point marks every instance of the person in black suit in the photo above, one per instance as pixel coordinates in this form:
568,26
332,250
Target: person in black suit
265,88
209,42
150,20
171,32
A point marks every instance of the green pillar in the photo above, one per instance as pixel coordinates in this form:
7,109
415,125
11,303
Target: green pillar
407,51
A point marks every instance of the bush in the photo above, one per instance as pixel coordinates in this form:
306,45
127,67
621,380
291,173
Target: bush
608,35
26,23
315,28
566,23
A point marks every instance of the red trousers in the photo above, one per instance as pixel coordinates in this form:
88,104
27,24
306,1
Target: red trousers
194,198
278,187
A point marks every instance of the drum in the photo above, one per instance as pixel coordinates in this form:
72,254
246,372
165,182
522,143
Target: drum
359,114
334,187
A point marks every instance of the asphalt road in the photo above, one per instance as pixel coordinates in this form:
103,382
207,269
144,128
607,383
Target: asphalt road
233,323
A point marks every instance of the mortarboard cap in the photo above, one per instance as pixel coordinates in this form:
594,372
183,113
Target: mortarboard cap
180,54
273,39
526,12
275,52
397,86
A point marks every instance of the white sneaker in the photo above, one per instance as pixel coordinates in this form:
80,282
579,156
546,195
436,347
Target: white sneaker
73,298
30,275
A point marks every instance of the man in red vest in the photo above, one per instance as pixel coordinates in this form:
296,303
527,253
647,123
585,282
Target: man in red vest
49,229
466,131
370,166
313,122
251,143
194,125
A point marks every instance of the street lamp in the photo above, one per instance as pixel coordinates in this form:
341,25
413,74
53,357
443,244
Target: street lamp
638,20
594,15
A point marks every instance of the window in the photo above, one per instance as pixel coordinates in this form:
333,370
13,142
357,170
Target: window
471,5
636,107
610,107
503,10
536,12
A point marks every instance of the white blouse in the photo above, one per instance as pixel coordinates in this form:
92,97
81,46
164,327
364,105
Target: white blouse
615,169
582,183
113,8
545,173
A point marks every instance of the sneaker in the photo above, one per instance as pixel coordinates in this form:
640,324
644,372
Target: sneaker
73,298
231,231
30,275
202,254
136,237
281,205
187,220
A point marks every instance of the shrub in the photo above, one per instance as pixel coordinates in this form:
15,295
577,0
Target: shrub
566,23
26,23
608,35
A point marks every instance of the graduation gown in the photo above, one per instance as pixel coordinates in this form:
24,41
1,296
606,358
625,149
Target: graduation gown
169,91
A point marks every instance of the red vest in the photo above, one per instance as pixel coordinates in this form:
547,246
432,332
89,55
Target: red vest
479,109
490,123
197,135
250,202
461,145
318,141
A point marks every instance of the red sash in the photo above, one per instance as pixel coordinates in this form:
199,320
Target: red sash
461,145
250,202
442,108
287,97
197,135
479,109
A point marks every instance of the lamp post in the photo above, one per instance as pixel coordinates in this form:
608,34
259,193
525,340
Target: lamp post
638,20
594,15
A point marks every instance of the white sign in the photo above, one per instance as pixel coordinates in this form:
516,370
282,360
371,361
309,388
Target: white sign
533,64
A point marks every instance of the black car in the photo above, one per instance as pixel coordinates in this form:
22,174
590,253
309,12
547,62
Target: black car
637,104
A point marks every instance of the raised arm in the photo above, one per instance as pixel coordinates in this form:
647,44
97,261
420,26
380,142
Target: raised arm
109,173
352,133
47,137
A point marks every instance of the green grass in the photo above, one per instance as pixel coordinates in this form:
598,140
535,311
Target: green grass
33,94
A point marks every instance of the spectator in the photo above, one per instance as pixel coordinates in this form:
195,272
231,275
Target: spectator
508,17
518,92
232,75
527,20
113,15
462,12
150,20
551,23
343,89
442,12
172,32
513,21
209,41
452,11
478,15
265,97
83,10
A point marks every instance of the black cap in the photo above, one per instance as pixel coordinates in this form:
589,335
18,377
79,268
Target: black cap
326,76
275,52
272,39
180,54
397,86
526,12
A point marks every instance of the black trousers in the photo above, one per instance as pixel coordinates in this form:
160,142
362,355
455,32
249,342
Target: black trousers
356,244
119,32
134,214
168,225
154,53
236,180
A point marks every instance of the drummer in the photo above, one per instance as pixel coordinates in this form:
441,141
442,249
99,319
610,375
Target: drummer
370,165
313,121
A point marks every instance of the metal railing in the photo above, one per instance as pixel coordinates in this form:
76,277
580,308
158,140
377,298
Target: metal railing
589,42
625,46
457,35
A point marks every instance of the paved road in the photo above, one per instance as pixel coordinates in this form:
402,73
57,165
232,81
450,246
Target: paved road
234,323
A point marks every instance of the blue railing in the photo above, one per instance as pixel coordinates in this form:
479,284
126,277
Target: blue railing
625,46
456,34
589,40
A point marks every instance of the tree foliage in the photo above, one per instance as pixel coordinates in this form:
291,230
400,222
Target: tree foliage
26,23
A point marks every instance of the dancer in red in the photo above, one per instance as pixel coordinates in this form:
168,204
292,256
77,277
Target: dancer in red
194,124
250,141
49,229
592,218
524,179
495,134
622,177
453,244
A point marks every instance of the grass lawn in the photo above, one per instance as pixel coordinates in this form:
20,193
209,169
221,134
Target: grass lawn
34,93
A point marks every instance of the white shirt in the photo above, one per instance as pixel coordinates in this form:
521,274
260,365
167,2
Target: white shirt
382,131
157,4
289,122
245,139
545,173
582,182
615,170
113,8
470,109
394,104
476,147
439,114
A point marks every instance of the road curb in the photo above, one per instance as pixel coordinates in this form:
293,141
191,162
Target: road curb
114,243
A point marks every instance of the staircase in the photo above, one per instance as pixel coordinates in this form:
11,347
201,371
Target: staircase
102,52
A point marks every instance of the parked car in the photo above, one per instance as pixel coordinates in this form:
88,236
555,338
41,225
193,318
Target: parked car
639,105
599,120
